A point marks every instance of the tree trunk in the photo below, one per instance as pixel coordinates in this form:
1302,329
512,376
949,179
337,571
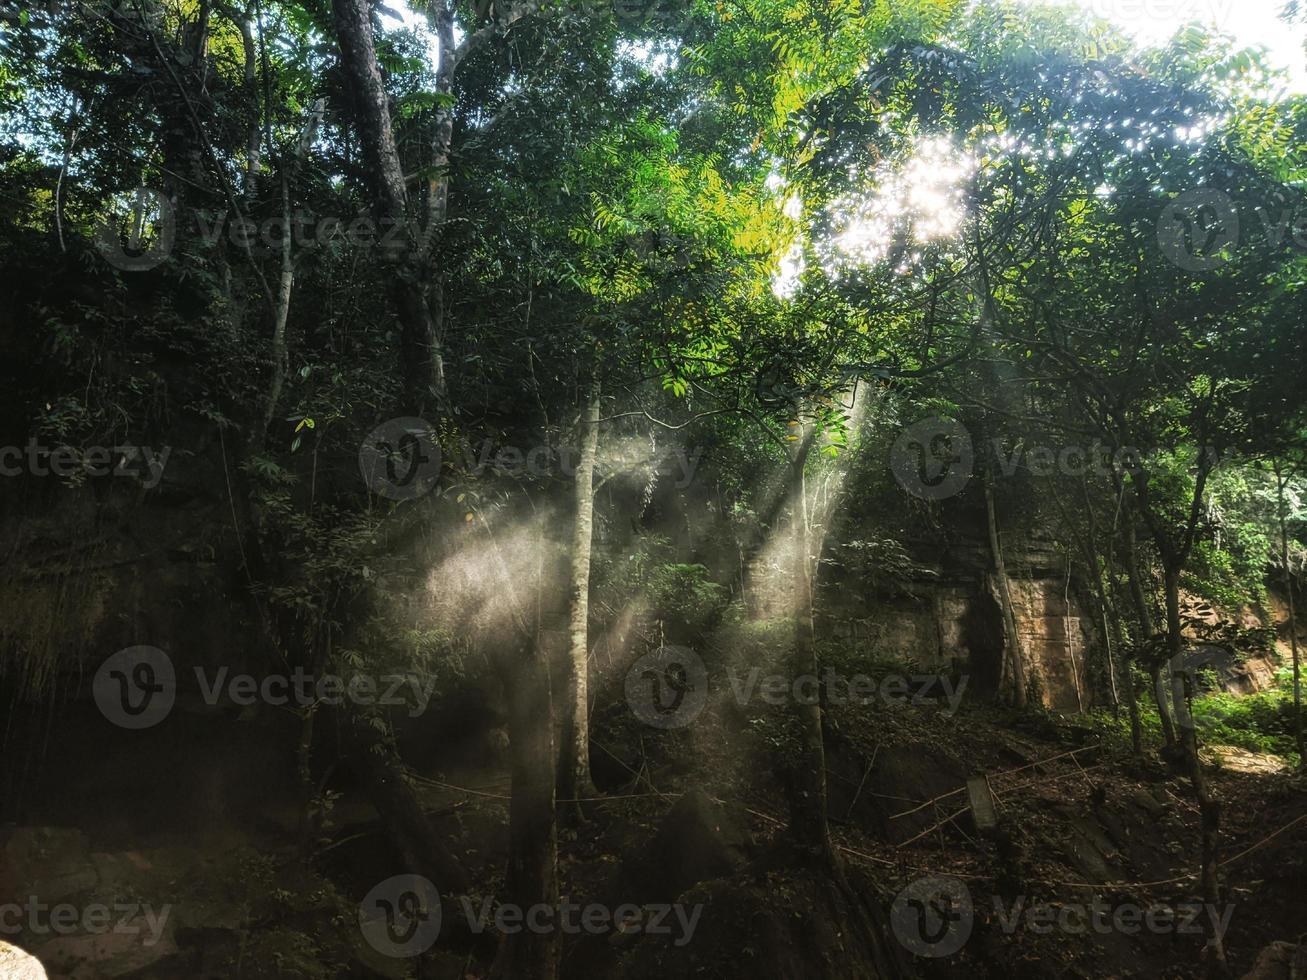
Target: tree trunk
1209,810
421,356
574,774
401,813
1012,653
1118,664
809,824
1128,682
1145,617
245,24
280,314
1280,481
532,876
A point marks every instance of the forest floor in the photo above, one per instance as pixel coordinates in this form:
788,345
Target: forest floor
697,818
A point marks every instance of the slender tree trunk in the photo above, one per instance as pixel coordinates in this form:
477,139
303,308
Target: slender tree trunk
532,875
1173,556
1145,617
310,823
1128,682
245,24
1012,652
574,775
1209,809
1118,664
1280,482
1100,592
809,822
280,315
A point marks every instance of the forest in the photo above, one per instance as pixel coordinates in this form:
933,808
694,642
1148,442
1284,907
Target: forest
614,489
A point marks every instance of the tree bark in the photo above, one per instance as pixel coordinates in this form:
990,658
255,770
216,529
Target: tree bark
1281,479
278,357
358,58
1145,617
1012,653
1174,555
574,774
1128,681
532,875
421,355
1117,662
400,811
809,821
1209,810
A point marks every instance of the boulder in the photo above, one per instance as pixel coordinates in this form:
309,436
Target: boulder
1279,961
104,955
18,964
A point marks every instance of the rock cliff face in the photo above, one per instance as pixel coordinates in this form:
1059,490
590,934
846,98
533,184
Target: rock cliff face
1055,634
1244,661
947,617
